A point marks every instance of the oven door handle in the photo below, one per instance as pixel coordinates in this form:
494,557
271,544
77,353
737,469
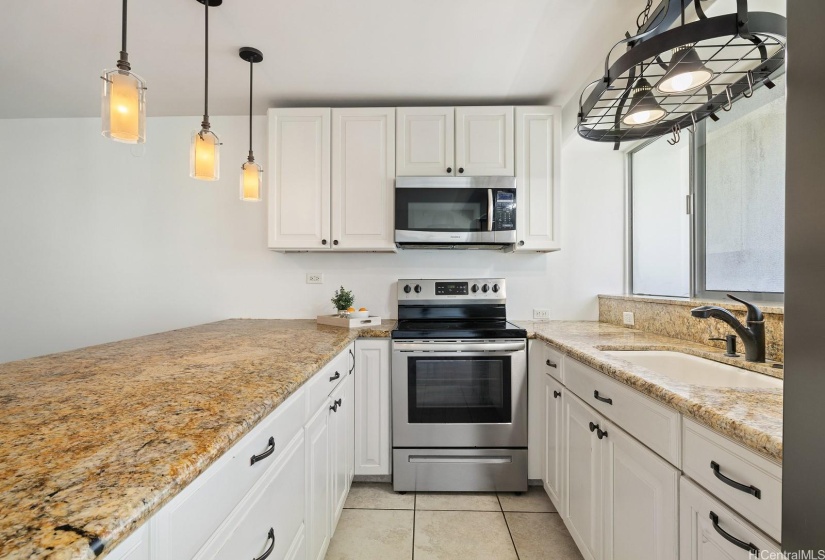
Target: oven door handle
489,209
459,346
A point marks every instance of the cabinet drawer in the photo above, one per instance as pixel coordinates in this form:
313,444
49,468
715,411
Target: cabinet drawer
750,484
553,363
654,424
708,529
187,522
325,381
270,517
134,547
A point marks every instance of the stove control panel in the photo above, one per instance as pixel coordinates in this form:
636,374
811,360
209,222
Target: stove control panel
481,289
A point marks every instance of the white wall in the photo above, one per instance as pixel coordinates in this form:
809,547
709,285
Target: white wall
101,241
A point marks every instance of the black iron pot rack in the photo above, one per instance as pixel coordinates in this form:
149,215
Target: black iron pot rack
746,48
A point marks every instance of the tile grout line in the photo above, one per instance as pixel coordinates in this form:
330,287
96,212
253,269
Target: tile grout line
506,524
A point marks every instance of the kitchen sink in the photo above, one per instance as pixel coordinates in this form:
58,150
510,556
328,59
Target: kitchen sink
696,370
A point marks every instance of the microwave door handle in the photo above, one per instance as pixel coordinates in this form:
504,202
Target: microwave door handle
489,209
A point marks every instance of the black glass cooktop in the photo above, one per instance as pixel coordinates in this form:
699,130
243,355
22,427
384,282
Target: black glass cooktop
457,329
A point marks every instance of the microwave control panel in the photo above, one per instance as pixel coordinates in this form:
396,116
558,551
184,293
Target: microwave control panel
505,210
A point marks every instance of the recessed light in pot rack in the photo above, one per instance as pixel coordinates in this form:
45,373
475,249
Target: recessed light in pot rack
204,160
251,172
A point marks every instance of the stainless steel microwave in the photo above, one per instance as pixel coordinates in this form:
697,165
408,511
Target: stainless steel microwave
455,212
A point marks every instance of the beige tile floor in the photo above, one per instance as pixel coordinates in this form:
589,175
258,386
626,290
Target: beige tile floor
379,524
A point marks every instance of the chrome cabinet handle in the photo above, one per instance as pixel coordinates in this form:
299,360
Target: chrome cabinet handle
270,449
336,376
489,208
752,490
269,537
750,547
552,364
603,399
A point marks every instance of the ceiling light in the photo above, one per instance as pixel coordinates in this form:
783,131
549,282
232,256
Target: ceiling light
205,152
251,172
123,107
685,72
644,109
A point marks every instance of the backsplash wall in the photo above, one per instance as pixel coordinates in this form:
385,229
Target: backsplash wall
671,317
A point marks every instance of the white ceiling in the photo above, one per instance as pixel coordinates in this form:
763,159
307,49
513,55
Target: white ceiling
316,52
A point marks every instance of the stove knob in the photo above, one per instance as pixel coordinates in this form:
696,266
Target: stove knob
496,288
418,288
485,288
407,289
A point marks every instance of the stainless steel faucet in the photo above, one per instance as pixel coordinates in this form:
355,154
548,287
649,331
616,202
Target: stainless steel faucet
752,335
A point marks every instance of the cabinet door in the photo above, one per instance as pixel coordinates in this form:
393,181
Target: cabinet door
425,141
641,516
538,178
484,141
318,481
582,491
535,411
299,179
553,438
363,174
703,524
134,547
340,439
372,407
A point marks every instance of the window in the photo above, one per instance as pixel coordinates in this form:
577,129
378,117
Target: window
733,241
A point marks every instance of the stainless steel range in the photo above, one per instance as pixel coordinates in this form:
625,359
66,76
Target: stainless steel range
459,386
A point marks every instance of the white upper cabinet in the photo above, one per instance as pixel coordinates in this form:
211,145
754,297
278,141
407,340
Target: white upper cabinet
299,179
425,141
363,173
484,141
538,179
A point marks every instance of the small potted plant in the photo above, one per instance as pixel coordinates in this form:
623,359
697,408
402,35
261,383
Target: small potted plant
342,301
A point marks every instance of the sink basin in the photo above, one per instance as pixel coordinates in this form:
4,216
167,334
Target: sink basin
696,370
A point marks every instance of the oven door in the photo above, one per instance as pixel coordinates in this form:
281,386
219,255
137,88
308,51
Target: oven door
459,393
455,210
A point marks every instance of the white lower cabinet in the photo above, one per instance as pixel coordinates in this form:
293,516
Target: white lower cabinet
134,547
373,448
710,531
583,476
341,433
553,440
641,517
318,493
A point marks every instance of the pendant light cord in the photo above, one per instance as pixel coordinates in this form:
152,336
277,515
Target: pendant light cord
251,157
205,123
123,63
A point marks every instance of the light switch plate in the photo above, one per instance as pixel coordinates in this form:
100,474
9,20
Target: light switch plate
628,318
315,278
541,314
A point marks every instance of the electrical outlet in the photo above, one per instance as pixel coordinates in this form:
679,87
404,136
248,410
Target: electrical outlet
541,314
628,319
315,278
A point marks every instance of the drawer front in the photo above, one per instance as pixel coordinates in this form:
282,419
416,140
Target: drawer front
135,547
553,363
750,484
710,531
654,424
270,517
325,381
187,522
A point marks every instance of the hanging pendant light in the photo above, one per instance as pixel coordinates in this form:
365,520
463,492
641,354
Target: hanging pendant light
123,106
251,172
205,151
644,109
685,72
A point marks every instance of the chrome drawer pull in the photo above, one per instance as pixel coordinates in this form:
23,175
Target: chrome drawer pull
750,547
460,459
552,364
603,399
269,537
269,450
752,490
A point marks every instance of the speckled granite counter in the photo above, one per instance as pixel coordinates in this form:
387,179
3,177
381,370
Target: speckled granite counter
94,441
750,416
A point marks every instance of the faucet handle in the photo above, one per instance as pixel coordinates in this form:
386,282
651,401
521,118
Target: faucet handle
754,313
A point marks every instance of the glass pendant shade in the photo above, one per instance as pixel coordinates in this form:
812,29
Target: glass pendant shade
251,181
205,156
685,72
123,107
644,109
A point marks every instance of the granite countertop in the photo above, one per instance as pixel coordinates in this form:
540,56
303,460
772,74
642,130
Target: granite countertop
94,441
752,417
